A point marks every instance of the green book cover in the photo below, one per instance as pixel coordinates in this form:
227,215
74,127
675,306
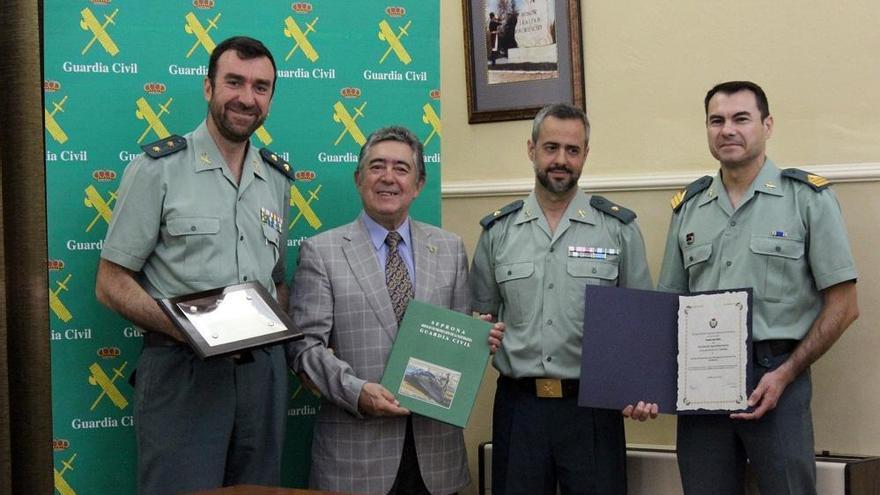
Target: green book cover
437,362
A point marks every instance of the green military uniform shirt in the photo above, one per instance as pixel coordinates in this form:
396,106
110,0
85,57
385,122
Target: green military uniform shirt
185,224
534,281
786,240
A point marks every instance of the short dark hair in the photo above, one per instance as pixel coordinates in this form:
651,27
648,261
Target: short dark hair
401,135
562,111
731,87
247,48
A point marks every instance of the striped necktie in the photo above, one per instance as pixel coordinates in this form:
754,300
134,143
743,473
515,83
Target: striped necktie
397,277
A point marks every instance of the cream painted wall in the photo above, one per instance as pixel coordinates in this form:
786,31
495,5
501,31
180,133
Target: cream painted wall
648,66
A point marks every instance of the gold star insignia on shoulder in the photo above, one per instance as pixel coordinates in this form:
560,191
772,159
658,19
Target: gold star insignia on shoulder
582,213
164,147
432,249
491,218
770,185
204,158
277,162
711,193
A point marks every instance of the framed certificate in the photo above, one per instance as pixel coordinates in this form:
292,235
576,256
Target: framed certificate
689,353
230,320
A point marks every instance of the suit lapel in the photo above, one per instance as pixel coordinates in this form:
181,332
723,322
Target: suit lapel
361,257
425,260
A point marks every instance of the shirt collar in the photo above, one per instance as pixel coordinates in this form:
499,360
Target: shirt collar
768,181
208,156
378,233
578,209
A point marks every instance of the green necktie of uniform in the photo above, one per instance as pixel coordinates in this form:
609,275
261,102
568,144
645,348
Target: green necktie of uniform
397,277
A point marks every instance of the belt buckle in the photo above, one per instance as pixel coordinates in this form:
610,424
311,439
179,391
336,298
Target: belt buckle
548,388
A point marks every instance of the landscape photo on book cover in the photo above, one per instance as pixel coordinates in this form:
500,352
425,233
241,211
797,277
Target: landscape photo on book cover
430,383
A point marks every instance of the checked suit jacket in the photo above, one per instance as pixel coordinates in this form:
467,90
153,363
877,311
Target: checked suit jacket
339,300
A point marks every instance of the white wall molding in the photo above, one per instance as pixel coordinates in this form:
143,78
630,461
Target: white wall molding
849,172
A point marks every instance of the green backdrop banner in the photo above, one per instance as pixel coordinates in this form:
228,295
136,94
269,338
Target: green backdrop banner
122,73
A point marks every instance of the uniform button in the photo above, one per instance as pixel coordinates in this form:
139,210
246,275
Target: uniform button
552,249
509,272
241,238
765,361
733,223
549,358
245,278
690,258
594,269
729,263
778,249
550,322
192,228
550,286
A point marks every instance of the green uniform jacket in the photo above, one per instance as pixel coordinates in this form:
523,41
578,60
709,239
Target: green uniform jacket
787,241
534,281
184,224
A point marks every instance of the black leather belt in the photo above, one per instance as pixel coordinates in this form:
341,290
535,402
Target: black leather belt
546,388
773,347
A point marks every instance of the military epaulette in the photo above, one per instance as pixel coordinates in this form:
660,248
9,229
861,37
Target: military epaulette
692,189
605,206
817,182
277,161
164,147
496,215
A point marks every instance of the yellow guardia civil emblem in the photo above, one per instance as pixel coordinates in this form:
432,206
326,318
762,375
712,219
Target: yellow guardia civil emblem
99,378
263,135
349,122
300,38
304,207
103,207
195,27
52,125
61,484
153,118
387,34
430,117
55,303
98,29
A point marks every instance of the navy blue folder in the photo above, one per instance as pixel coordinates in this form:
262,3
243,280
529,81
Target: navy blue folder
630,349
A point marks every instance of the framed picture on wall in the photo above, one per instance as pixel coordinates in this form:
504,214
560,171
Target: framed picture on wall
521,55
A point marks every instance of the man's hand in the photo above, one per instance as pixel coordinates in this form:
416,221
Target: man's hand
766,395
376,400
641,411
496,333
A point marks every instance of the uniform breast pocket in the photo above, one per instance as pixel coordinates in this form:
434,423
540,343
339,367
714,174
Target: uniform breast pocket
273,240
516,283
583,272
593,272
780,259
196,238
694,259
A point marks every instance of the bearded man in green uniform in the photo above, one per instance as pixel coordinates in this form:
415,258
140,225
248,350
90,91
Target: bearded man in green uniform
781,233
530,269
198,212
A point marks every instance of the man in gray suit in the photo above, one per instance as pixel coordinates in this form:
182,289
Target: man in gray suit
364,442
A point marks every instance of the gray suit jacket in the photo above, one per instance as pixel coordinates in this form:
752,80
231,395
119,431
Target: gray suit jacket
339,301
